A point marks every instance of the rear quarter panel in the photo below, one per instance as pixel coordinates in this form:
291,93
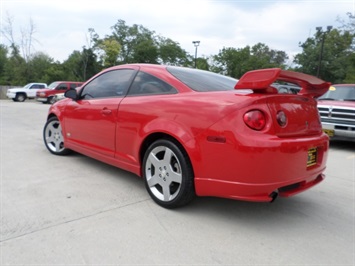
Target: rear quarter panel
182,116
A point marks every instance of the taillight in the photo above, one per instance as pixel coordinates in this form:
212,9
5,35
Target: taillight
281,118
255,119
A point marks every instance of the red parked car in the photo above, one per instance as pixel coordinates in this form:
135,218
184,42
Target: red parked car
190,132
48,95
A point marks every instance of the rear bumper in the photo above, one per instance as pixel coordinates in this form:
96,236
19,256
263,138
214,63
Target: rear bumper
255,192
256,172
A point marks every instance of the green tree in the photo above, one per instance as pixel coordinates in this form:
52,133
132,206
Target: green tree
54,73
226,61
202,63
350,26
81,66
145,51
16,68
90,64
110,50
332,60
350,73
3,63
235,62
170,53
37,65
138,44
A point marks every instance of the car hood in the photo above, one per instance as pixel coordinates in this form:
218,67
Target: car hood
337,103
15,89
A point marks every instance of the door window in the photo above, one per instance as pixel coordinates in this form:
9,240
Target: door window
110,84
74,85
62,86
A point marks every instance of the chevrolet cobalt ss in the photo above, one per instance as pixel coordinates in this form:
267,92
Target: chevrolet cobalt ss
190,132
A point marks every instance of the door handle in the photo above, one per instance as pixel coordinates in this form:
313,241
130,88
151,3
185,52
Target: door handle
106,111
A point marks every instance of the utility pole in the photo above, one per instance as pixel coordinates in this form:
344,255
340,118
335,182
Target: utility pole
196,44
319,30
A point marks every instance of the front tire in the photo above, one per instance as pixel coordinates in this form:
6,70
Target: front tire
20,97
168,174
53,137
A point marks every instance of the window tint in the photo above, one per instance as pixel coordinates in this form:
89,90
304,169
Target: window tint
203,81
74,85
62,86
110,84
145,84
36,86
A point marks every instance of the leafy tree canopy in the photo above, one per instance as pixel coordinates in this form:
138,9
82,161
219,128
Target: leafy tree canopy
330,54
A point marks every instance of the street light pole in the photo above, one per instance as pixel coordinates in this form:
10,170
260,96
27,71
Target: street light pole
319,29
196,44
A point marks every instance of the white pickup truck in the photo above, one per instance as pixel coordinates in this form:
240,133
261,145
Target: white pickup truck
28,91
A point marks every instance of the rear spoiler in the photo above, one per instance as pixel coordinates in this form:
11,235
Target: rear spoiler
261,81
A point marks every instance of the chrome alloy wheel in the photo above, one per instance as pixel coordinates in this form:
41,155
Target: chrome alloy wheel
53,136
163,173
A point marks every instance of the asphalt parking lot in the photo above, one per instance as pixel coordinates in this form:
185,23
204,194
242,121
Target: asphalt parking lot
74,210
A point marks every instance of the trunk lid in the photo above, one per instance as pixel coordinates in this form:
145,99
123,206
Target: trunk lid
301,113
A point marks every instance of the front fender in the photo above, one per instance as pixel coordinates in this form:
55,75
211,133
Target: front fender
58,109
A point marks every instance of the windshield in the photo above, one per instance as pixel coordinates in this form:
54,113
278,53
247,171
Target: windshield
27,86
53,85
339,93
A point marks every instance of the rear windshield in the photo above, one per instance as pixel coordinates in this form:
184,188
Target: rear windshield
203,81
339,93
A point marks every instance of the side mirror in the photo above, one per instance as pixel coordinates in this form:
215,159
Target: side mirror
72,94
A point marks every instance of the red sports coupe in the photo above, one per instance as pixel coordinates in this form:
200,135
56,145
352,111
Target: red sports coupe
189,132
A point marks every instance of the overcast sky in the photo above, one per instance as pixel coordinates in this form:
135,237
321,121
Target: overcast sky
62,26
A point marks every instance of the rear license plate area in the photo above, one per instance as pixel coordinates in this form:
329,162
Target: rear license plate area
312,157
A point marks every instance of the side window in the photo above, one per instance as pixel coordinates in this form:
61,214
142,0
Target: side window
62,86
110,84
145,84
34,86
37,86
74,85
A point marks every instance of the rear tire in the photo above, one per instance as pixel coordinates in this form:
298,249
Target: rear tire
168,174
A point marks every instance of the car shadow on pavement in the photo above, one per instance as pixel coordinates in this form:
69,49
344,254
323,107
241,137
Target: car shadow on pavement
283,210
